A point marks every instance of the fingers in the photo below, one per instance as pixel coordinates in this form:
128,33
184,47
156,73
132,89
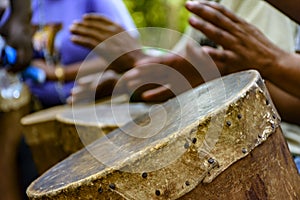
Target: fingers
81,30
95,21
94,86
79,95
148,60
216,22
226,61
240,26
134,79
143,78
93,30
158,94
214,33
147,74
85,41
222,10
96,26
221,56
93,17
86,80
215,14
105,88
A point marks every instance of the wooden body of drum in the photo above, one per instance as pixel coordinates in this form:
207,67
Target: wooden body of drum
221,140
82,126
41,131
55,133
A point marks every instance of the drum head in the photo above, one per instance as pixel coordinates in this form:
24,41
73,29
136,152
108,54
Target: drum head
170,150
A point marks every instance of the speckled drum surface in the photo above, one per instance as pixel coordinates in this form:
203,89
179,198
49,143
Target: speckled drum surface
221,140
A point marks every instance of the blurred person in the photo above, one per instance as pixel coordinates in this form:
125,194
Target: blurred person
57,55
15,29
86,33
292,130
244,47
260,14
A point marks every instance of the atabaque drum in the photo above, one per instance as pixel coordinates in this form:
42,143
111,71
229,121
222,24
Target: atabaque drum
41,131
55,133
221,140
82,126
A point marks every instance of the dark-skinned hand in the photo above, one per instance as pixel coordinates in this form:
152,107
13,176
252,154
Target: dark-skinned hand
108,39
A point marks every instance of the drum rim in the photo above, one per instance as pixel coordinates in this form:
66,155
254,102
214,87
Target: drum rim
255,76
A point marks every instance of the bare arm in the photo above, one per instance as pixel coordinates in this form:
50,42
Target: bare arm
73,71
289,7
245,47
287,105
17,31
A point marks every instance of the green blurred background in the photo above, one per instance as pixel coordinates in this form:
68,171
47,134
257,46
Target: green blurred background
159,13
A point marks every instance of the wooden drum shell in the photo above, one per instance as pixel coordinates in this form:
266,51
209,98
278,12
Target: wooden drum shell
247,159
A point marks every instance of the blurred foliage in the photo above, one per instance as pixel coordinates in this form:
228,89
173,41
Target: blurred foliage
159,13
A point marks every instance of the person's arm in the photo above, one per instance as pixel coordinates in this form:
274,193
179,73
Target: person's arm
108,39
97,85
157,79
245,47
287,105
297,45
72,71
286,73
289,7
108,19
17,31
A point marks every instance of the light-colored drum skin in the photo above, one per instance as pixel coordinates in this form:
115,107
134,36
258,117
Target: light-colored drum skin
82,126
224,144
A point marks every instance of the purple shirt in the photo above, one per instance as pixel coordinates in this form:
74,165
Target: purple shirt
65,12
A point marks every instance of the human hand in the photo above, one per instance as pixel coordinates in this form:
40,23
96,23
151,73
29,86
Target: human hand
157,79
244,46
110,40
95,86
48,69
93,29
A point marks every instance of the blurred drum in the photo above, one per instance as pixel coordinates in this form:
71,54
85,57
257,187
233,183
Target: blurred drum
55,133
221,140
14,104
42,131
82,126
